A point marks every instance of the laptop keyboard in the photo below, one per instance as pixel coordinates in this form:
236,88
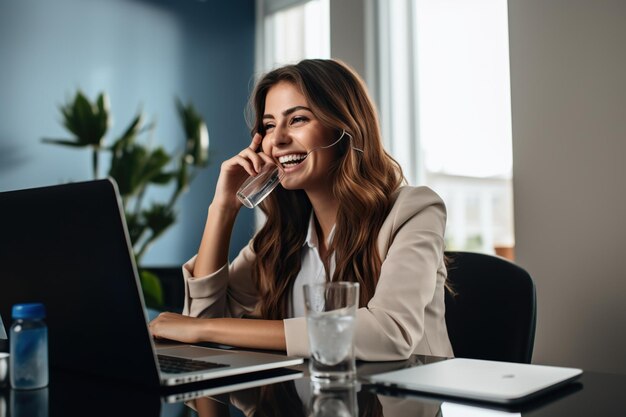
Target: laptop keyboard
174,365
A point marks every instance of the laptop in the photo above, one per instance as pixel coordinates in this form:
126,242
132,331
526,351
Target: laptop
479,380
232,384
67,246
3,333
4,342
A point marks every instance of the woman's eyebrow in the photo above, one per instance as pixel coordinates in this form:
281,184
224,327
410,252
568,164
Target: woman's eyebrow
288,111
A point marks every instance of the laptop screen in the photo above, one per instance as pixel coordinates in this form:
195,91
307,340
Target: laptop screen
67,247
3,333
4,343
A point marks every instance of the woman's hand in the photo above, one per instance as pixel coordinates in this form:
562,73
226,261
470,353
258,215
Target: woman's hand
175,326
235,171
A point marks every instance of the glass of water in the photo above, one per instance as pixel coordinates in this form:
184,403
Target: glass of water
256,188
331,319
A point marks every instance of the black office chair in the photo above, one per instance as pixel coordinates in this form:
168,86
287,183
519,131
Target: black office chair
492,312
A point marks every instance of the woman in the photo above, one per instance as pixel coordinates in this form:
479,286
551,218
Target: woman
341,214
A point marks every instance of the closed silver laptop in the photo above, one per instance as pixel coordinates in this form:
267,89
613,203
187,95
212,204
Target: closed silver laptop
480,380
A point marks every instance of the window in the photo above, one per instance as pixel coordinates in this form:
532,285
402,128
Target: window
465,117
442,79
290,31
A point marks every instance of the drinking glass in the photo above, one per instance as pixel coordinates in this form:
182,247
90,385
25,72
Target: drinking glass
255,189
331,319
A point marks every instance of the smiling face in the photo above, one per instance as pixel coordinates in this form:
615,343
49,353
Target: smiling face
291,131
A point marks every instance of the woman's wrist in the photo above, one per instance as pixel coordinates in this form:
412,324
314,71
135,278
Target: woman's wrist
213,251
245,333
223,211
206,332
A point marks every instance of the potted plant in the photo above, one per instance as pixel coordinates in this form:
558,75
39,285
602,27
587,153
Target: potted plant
136,166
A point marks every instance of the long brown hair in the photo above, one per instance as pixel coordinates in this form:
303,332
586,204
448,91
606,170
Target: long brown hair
363,183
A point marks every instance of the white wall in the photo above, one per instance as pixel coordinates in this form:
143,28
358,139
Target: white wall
568,78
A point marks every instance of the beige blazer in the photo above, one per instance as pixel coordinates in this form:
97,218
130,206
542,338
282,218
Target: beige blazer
406,315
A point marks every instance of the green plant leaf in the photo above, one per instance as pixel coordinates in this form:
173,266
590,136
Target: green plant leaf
155,162
87,122
196,134
163,178
133,167
136,227
102,114
152,289
182,178
84,119
126,167
129,135
64,142
158,218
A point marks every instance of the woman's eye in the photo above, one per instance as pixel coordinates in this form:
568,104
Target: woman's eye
298,119
268,127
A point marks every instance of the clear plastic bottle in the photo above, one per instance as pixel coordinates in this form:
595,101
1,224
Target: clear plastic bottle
29,347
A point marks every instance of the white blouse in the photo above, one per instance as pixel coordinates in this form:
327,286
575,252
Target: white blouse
312,269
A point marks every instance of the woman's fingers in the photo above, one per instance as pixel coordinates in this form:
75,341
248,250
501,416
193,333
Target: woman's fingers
255,158
245,163
256,141
266,158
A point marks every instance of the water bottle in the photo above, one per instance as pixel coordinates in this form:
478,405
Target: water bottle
29,347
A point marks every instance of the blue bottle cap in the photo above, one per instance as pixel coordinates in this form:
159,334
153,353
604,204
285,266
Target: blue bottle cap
28,311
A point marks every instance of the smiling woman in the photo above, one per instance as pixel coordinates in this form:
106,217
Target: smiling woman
341,213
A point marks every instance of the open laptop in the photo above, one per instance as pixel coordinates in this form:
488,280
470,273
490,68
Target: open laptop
479,380
4,342
67,246
3,333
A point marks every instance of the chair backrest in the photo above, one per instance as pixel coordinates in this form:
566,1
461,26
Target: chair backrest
492,312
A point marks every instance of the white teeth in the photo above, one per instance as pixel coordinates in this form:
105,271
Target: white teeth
290,158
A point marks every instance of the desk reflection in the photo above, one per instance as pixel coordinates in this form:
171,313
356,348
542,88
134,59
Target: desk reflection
304,398
337,400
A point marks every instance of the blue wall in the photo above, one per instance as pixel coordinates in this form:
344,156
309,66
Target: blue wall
143,54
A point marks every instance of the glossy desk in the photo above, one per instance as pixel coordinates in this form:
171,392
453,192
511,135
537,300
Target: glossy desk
289,392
